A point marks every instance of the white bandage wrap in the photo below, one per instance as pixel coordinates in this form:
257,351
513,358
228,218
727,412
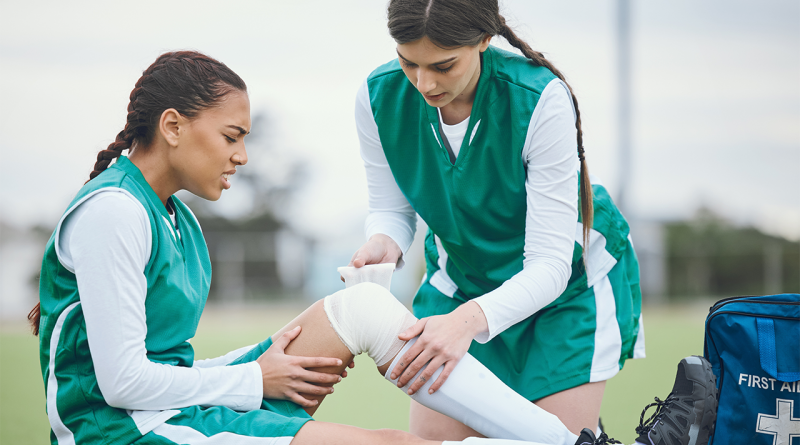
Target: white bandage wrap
372,273
368,318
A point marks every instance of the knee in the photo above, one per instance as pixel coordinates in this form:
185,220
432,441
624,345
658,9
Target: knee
368,318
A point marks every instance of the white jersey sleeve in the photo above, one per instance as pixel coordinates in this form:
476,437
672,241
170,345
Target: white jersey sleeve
389,210
551,159
106,242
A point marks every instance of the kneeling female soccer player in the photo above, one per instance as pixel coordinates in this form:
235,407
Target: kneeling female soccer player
125,278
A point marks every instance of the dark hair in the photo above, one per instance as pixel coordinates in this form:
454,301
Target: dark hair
457,23
187,81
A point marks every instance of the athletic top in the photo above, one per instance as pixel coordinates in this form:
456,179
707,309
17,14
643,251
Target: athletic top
119,306
515,176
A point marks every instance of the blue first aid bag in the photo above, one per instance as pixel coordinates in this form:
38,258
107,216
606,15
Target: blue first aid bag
753,345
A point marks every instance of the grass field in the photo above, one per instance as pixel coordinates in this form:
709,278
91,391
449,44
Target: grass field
363,399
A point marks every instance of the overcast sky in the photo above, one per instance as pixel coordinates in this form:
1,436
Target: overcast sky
716,95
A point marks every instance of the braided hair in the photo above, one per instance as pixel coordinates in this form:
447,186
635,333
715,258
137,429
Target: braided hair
187,81
457,23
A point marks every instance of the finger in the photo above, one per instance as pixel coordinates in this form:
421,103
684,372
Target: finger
320,377
302,401
344,374
317,362
426,375
407,358
414,330
359,262
314,390
352,364
414,367
287,337
448,368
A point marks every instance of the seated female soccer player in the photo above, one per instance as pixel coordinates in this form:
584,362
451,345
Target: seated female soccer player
126,274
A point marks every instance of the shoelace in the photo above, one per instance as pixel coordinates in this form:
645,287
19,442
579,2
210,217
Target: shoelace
604,439
661,409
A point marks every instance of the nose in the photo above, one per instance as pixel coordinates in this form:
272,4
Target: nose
240,157
426,81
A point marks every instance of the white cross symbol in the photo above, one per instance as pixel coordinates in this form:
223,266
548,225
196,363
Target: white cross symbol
783,426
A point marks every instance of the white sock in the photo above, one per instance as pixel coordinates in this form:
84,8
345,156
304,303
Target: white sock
474,396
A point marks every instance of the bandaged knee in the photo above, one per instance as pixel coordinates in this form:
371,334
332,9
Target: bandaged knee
474,396
368,319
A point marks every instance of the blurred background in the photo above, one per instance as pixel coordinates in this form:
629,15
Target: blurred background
691,114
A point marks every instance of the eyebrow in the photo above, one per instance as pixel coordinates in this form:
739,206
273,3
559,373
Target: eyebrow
437,63
241,130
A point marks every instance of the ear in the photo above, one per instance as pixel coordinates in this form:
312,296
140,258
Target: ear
484,43
170,125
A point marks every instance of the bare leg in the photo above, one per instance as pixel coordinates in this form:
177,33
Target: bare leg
317,339
575,407
323,433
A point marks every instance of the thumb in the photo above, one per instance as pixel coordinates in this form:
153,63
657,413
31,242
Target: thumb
414,330
283,341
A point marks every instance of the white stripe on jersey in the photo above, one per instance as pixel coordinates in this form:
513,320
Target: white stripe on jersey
189,436
63,435
440,280
607,337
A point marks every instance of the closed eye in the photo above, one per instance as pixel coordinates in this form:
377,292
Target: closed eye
230,139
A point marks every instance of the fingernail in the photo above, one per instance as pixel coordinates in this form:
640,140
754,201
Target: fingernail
410,392
340,378
430,391
332,389
338,363
394,376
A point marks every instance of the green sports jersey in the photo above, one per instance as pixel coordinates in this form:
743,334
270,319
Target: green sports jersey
475,206
178,275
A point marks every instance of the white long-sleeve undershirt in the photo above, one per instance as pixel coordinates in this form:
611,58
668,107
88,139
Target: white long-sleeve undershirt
551,162
106,242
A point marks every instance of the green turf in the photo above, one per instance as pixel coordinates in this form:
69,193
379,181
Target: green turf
364,399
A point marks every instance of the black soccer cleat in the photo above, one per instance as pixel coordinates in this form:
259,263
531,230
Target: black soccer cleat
687,415
587,437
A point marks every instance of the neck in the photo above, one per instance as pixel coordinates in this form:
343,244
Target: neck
460,107
149,161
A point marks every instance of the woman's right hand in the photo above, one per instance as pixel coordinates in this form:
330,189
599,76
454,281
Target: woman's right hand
285,377
379,249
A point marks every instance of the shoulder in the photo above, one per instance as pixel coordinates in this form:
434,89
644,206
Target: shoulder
113,208
517,71
388,69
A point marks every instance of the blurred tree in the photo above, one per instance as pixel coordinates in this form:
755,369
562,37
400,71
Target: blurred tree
708,256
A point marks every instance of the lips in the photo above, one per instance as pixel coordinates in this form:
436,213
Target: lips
435,97
226,180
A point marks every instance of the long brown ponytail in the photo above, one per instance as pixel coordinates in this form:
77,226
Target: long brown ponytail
187,81
456,23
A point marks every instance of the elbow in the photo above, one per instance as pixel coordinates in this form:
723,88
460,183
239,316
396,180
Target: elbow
121,391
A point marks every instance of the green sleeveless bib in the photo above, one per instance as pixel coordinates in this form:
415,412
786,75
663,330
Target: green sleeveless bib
178,276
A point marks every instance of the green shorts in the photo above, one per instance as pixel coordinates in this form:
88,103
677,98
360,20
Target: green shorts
584,336
275,423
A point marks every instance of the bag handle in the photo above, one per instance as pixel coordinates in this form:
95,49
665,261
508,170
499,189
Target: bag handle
768,351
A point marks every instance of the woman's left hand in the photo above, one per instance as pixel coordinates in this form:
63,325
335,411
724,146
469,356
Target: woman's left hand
443,340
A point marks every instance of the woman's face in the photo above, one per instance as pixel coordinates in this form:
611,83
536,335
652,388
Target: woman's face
211,146
442,75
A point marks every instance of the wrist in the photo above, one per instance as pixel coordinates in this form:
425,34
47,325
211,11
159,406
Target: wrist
474,318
